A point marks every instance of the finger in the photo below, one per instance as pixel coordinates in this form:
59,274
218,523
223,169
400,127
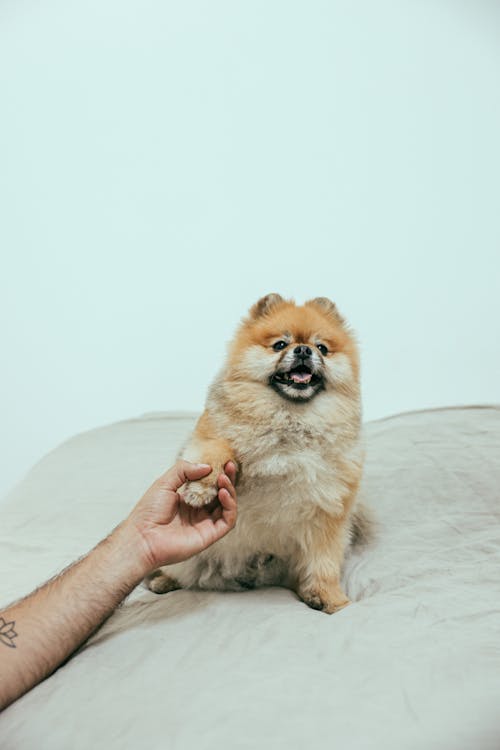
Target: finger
181,472
230,469
224,482
229,508
216,514
220,522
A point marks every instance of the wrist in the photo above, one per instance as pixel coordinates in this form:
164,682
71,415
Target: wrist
131,552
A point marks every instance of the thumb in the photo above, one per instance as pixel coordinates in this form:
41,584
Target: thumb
183,471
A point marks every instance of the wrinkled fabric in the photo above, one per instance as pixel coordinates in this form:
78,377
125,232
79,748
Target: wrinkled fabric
413,663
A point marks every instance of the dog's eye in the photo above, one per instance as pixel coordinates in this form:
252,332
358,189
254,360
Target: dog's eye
279,345
323,349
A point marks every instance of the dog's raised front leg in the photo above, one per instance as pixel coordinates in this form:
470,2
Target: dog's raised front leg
207,448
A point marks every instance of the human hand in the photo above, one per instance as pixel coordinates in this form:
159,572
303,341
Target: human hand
169,531
56,618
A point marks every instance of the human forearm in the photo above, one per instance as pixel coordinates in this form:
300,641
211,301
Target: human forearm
42,630
57,618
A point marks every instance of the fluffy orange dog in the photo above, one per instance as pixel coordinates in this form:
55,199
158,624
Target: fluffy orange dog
286,408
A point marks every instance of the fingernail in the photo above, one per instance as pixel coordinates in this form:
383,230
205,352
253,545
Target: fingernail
202,466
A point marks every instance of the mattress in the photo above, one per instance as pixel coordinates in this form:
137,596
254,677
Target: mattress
414,662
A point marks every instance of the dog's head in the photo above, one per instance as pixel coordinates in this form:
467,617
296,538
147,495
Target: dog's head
298,351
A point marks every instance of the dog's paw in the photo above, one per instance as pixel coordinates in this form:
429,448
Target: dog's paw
198,493
330,606
160,583
327,599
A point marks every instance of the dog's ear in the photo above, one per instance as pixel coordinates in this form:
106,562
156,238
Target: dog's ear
327,306
265,305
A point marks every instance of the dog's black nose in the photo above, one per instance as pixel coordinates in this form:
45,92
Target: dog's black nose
303,351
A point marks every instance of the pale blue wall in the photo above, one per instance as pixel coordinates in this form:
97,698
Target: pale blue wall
163,164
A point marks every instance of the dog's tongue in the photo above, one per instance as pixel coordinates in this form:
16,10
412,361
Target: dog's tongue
301,377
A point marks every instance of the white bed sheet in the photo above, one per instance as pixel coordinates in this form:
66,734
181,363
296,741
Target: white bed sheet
413,663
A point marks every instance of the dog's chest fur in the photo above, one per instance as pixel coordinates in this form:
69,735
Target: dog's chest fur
291,463
293,458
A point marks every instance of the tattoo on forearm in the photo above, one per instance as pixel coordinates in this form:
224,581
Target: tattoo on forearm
7,633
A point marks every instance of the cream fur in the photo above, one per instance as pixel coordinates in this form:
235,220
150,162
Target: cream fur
299,466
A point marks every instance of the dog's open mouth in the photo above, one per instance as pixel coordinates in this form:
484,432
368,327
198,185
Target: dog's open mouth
299,377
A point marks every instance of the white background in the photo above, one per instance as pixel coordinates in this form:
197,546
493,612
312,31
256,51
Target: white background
162,165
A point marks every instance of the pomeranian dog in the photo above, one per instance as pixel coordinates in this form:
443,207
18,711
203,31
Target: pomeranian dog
286,409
